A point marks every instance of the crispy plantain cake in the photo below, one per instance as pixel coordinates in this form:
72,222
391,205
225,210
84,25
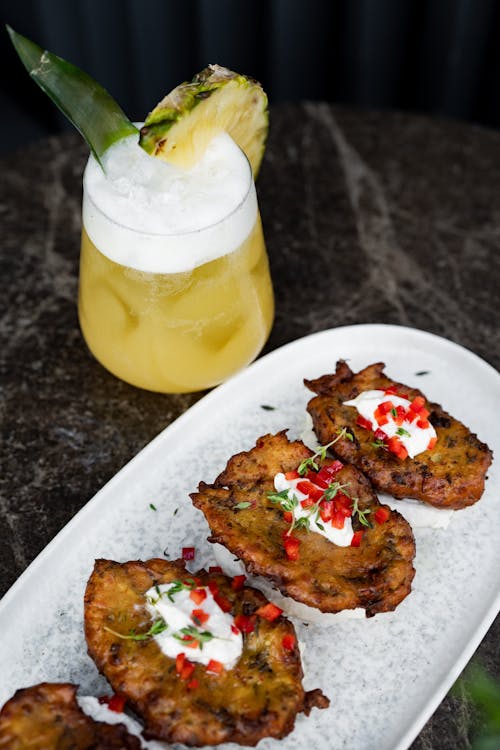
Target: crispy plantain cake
261,526
48,717
449,474
180,700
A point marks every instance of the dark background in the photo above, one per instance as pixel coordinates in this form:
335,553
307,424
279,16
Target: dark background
435,56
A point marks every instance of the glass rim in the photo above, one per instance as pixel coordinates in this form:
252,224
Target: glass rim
187,233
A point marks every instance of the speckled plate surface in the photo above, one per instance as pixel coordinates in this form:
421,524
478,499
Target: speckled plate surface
385,676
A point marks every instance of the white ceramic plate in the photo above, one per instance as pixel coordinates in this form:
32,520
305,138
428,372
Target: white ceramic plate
385,676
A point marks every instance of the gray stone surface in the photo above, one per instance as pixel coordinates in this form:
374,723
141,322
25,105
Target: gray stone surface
380,218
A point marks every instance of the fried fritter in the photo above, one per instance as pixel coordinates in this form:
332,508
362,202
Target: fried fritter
375,576
48,717
452,475
258,698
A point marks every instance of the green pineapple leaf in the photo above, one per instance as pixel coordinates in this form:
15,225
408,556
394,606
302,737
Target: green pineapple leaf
89,107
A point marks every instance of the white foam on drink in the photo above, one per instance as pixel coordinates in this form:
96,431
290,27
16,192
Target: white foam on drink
152,216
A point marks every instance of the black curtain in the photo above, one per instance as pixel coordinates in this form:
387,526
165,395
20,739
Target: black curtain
434,56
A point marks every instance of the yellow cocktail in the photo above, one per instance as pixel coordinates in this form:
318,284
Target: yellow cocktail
160,319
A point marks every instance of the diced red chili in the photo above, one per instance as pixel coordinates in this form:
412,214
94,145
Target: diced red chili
187,670
288,642
392,390
386,406
213,586
215,569
380,417
423,423
382,514
395,445
356,538
432,443
343,503
193,643
288,516
179,662
380,435
417,404
411,416
199,616
114,702
308,488
338,519
326,509
244,623
223,603
198,595
193,684
269,612
307,502
292,545
188,553
215,666
292,475
364,423
320,481
238,582
234,630
400,415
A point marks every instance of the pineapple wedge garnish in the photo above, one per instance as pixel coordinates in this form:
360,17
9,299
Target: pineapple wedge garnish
180,127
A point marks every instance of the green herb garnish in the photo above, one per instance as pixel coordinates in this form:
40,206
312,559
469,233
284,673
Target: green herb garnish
379,444
266,407
403,432
188,584
156,628
360,513
244,504
201,636
153,507
310,463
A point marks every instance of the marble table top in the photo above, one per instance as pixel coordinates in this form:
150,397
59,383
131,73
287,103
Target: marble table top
368,217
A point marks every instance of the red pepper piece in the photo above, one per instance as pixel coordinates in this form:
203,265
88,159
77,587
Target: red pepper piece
292,475
312,476
188,553
193,684
380,435
392,390
215,666
269,612
364,423
187,670
292,545
411,416
320,481
400,415
199,616
395,445
287,516
244,623
418,404
423,423
338,519
179,662
356,538
308,488
330,470
432,443
308,502
213,587
386,406
114,702
223,603
288,642
326,509
198,595
234,629
215,569
382,514
380,417
344,504
238,582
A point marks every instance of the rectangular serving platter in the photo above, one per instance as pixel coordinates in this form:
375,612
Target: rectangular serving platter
385,676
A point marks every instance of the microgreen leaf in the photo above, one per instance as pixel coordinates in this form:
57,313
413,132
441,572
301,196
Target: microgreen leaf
403,432
360,513
379,444
201,636
310,463
244,504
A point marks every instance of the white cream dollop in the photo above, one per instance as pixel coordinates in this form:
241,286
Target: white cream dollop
225,646
415,439
340,537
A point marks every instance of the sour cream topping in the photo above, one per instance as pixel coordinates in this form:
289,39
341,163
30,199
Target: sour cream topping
414,438
225,644
340,537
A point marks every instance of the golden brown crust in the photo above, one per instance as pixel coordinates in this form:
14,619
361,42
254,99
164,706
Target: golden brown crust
258,698
452,475
376,576
48,717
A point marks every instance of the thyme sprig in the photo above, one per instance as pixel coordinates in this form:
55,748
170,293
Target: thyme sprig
201,636
156,628
360,513
188,584
379,444
310,463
